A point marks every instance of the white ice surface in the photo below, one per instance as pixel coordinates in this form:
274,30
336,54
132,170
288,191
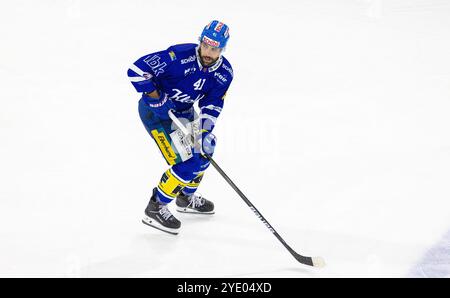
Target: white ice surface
336,127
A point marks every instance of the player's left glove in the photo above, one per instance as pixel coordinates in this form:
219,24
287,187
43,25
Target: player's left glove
207,142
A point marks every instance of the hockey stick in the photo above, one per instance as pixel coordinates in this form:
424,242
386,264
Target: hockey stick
310,261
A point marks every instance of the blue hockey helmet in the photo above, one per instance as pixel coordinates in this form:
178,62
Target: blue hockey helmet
215,34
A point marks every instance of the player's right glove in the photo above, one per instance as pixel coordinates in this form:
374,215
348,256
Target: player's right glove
160,106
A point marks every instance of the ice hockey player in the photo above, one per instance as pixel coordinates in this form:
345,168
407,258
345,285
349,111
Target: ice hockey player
174,80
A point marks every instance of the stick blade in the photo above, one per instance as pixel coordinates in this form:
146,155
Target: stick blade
318,262
310,261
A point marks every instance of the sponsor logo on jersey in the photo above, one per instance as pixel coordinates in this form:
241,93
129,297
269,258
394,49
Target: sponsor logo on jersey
184,98
189,70
155,64
210,42
187,60
228,69
172,56
220,77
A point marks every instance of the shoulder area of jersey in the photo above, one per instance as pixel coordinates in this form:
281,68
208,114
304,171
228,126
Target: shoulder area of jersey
224,73
184,52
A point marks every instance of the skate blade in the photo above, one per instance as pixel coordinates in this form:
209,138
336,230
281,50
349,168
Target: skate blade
154,224
192,211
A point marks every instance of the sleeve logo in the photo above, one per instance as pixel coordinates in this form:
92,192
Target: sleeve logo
155,64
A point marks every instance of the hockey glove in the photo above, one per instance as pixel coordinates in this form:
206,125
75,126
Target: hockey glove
208,143
160,106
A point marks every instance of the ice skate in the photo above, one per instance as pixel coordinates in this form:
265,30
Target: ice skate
158,216
194,204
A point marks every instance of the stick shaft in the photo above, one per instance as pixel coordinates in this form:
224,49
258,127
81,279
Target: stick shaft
298,257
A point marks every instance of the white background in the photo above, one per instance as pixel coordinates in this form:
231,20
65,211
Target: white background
336,127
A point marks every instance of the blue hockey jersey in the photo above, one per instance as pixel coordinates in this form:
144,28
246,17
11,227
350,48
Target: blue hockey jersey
178,72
